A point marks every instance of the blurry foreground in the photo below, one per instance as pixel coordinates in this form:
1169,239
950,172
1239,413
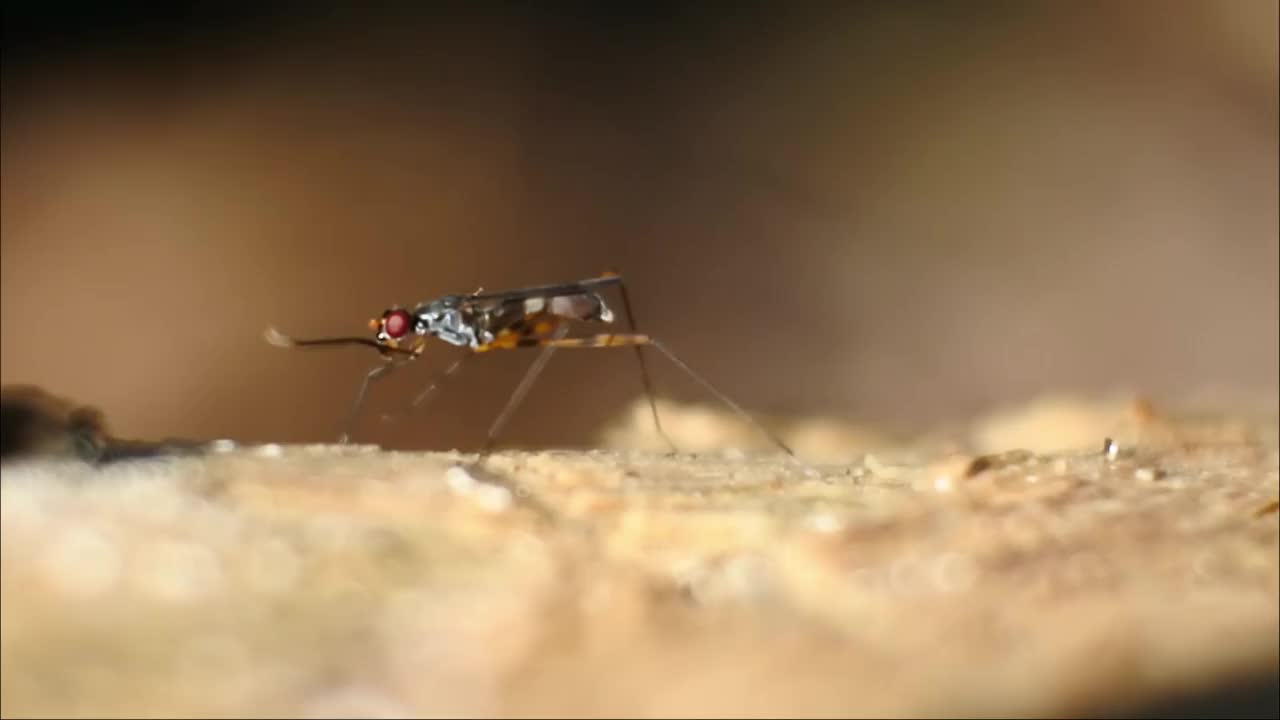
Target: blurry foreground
1005,567
900,212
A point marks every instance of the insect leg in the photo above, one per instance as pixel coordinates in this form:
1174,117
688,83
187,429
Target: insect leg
722,396
517,396
436,382
374,374
644,369
639,340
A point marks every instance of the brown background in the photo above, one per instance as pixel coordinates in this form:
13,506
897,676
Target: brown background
900,212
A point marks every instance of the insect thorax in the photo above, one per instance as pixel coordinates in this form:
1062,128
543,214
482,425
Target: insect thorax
444,319
459,320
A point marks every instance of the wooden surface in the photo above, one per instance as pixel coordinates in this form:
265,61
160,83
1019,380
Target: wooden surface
1005,567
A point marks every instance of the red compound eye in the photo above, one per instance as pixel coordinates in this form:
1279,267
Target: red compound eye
396,324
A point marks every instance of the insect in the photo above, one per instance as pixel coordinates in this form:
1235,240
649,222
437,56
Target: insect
531,317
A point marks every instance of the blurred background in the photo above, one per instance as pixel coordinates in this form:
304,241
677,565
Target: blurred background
904,213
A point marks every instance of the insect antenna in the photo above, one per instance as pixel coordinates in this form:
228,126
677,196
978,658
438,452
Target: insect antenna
279,339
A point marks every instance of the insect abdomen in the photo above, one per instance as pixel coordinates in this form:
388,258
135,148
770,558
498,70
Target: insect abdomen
574,307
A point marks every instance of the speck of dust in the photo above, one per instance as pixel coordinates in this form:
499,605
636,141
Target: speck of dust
269,450
459,480
825,523
493,498
1145,474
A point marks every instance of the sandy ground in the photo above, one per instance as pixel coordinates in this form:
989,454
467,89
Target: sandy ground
1007,567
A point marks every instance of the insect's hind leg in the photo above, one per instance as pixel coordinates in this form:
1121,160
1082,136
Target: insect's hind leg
724,398
640,339
644,367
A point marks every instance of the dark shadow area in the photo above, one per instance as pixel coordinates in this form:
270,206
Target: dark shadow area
1257,697
35,423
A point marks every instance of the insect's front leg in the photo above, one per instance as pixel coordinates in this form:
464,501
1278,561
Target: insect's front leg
390,363
436,382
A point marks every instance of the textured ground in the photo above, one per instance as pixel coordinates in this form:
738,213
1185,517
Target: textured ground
1011,567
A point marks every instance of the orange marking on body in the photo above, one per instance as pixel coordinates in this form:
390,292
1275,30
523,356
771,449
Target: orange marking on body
505,340
628,339
599,341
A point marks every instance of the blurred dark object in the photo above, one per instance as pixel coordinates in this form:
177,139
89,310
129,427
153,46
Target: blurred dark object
36,32
37,423
1244,698
34,422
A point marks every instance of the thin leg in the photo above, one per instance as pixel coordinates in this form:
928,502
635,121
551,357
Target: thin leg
518,395
644,369
374,374
722,396
638,339
436,382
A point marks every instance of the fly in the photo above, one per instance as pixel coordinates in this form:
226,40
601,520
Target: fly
524,318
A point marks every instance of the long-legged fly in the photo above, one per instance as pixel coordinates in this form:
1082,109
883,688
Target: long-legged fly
531,317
